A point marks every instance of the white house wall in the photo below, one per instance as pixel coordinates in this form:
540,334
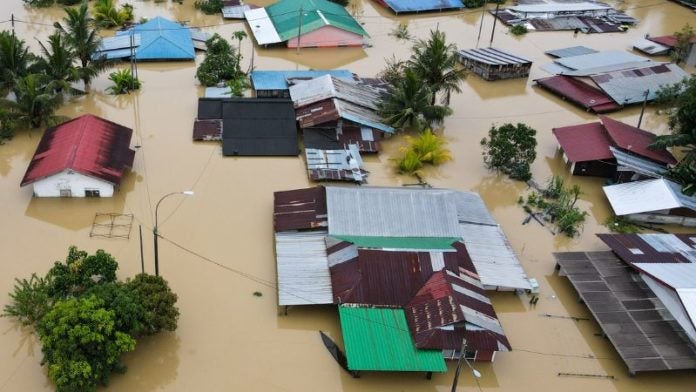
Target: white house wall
76,182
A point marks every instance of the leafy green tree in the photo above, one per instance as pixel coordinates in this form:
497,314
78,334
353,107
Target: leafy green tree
129,311
82,35
35,102
209,7
394,71
15,61
124,82
220,62
106,15
519,29
408,104
7,125
39,3
510,149
681,49
81,344
239,36
80,271
436,64
158,300
30,300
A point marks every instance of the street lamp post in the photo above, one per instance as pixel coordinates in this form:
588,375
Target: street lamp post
154,230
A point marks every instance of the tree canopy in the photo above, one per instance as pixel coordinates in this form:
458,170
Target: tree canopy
86,318
510,149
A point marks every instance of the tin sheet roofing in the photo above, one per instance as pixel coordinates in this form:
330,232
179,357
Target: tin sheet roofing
392,212
331,110
579,93
637,164
236,11
421,5
630,86
634,319
326,87
647,196
585,142
558,7
285,16
262,26
493,56
652,248
650,47
303,270
88,144
675,275
347,164
162,39
402,243
278,80
300,209
669,41
472,209
329,139
117,47
570,51
635,140
204,130
588,64
379,339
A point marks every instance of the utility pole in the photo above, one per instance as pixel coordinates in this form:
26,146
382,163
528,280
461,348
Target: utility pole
299,30
459,365
495,20
483,12
142,259
642,110
12,19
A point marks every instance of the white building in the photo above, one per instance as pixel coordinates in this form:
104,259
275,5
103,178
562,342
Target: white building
84,157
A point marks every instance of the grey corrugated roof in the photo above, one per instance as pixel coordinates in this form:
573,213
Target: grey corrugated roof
471,209
647,196
650,47
303,269
629,86
570,51
553,7
327,86
391,212
593,63
345,160
493,56
637,164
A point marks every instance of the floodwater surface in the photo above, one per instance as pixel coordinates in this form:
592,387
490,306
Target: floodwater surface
218,244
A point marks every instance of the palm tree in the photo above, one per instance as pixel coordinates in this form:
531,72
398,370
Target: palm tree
57,62
15,61
408,104
435,62
36,100
107,15
83,37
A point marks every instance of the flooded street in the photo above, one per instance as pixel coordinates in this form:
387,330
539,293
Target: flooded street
217,248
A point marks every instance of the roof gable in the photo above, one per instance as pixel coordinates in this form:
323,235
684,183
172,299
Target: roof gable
316,14
88,144
162,39
635,140
586,142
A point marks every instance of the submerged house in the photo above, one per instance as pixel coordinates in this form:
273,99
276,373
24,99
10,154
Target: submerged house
305,23
642,295
158,39
592,149
402,254
84,157
494,64
664,45
276,84
413,6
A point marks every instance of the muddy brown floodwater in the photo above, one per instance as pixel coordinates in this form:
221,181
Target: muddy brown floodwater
229,339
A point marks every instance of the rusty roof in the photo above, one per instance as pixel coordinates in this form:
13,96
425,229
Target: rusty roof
204,130
579,93
585,142
330,138
652,248
635,140
300,209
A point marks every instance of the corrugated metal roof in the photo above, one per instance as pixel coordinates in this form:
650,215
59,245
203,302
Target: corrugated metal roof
630,86
472,209
493,56
285,16
635,140
652,248
669,41
637,164
236,11
329,138
205,130
162,39
326,87
558,7
650,47
303,269
402,243
278,80
495,261
392,212
633,318
335,164
681,303
675,275
570,51
585,142
262,27
89,145
300,209
579,93
332,109
217,92
378,339
421,5
589,62
117,47
647,196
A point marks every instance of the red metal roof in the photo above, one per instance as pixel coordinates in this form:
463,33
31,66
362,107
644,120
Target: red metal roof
635,140
88,145
317,113
668,40
632,248
579,93
300,209
585,142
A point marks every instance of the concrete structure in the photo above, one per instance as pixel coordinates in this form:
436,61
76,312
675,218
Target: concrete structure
494,64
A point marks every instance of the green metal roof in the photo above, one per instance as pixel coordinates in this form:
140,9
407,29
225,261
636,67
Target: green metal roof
378,339
433,243
315,14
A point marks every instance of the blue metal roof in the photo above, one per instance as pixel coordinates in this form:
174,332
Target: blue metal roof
277,80
162,39
423,5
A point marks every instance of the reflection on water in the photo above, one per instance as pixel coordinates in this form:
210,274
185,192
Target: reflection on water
230,339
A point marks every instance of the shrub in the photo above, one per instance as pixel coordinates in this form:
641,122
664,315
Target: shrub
518,29
510,149
220,64
427,148
209,7
124,82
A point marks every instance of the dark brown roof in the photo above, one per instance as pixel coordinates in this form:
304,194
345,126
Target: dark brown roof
328,138
204,130
632,248
636,322
585,142
579,93
317,113
635,140
300,209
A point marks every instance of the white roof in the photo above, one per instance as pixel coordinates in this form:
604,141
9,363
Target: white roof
262,26
647,196
650,47
303,269
675,275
